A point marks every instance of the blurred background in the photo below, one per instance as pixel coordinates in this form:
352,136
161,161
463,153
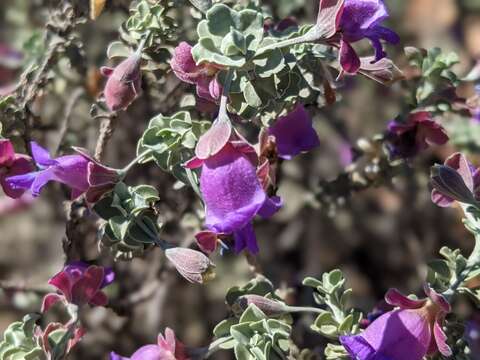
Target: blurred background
381,237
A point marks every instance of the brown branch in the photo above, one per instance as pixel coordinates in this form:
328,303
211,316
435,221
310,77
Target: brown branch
107,128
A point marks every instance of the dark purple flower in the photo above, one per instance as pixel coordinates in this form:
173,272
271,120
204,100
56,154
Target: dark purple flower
203,76
12,164
456,180
294,133
70,170
230,185
361,19
415,327
417,133
167,348
80,284
124,82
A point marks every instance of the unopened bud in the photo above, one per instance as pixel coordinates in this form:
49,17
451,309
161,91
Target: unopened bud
450,183
123,84
269,306
192,265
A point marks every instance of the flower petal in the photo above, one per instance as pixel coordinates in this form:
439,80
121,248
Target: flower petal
441,339
349,59
85,289
395,298
41,155
246,238
48,301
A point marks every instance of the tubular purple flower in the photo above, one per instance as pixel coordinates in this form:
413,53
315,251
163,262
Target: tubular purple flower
416,325
416,134
356,20
124,82
456,180
294,133
230,186
70,170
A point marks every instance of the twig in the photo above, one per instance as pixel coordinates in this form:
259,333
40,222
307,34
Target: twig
106,131
77,93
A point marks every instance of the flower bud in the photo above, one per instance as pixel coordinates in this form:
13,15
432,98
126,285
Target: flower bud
450,183
192,265
123,84
269,306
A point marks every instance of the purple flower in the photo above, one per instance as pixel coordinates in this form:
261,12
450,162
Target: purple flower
415,327
203,76
456,180
12,164
474,105
80,284
70,170
359,20
418,133
167,348
124,82
230,185
294,133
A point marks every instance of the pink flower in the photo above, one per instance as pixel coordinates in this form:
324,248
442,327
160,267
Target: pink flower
12,164
124,82
203,76
80,284
167,348
415,327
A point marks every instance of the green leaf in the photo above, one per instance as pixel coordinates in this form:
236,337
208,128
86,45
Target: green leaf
223,328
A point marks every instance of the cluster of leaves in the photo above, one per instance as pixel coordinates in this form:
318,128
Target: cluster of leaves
130,220
171,140
252,334
266,82
337,318
434,88
19,341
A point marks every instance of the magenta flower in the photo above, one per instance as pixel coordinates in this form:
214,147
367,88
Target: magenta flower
456,180
344,22
70,170
167,348
418,133
12,164
124,82
294,133
203,76
415,327
80,284
230,186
